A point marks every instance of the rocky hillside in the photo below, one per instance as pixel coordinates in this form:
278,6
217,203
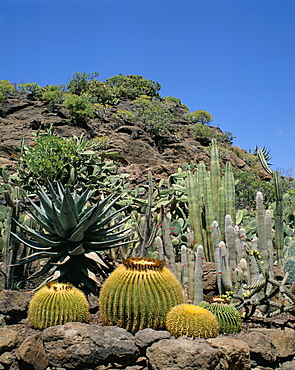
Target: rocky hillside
139,151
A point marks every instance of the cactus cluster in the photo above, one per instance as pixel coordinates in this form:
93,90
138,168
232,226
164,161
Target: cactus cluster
57,304
192,321
138,294
227,315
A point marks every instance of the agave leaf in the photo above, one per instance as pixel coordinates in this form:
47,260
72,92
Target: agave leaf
45,201
99,212
80,204
53,195
39,211
30,243
101,223
84,217
45,225
105,234
71,202
101,247
95,257
61,191
47,267
92,276
39,255
77,251
57,224
62,261
68,219
41,239
77,236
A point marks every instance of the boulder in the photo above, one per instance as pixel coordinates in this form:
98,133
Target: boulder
76,345
284,342
262,350
183,353
32,353
146,337
14,305
9,339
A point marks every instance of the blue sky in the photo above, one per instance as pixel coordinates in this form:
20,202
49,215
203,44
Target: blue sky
233,58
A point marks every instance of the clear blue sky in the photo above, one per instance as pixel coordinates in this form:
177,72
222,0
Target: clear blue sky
233,58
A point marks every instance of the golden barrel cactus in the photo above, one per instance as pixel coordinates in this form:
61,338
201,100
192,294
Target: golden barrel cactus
56,304
139,294
192,321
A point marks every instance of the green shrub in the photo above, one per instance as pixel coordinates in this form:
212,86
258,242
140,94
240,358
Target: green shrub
80,109
53,93
101,92
6,87
132,86
154,115
126,116
200,116
33,88
49,158
173,100
79,82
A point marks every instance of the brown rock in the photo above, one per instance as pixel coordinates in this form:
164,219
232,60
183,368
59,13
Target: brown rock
236,354
14,304
9,339
32,352
284,341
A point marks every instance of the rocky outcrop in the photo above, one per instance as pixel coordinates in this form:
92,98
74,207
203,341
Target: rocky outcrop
91,346
139,152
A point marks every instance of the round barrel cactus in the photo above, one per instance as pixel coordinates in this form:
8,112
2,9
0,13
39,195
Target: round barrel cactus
139,294
56,304
192,321
227,315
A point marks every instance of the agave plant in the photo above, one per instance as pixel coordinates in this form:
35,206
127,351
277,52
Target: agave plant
74,235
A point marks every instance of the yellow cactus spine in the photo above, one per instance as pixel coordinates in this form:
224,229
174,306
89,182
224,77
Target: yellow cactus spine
56,304
192,321
139,294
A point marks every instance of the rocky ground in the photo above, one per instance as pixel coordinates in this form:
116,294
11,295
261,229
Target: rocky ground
139,152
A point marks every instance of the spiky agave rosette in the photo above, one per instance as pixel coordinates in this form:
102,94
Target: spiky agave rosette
74,236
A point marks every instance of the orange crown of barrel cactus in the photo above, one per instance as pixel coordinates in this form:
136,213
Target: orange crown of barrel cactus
139,294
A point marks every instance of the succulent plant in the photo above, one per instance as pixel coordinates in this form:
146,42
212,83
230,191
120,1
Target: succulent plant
227,315
192,321
139,294
56,304
74,236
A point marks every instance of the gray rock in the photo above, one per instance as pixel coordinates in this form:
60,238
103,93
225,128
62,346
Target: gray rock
284,341
7,358
75,345
31,352
235,353
146,337
9,339
289,365
14,304
183,353
261,347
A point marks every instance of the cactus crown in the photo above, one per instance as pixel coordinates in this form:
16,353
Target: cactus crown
143,264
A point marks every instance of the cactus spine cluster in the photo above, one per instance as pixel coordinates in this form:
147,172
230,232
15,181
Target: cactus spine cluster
56,304
227,315
192,321
139,294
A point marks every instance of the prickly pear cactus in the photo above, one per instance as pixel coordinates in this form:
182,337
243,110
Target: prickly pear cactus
227,315
139,294
192,321
56,304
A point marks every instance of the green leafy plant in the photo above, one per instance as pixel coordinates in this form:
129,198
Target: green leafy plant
101,92
192,321
200,116
154,115
139,294
57,304
53,94
80,109
132,86
126,116
79,82
6,87
74,236
33,88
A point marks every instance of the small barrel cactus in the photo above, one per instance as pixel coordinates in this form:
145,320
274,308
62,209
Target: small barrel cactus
56,304
192,321
227,315
139,294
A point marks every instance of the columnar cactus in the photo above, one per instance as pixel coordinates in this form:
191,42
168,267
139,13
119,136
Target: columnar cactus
192,321
139,294
56,304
